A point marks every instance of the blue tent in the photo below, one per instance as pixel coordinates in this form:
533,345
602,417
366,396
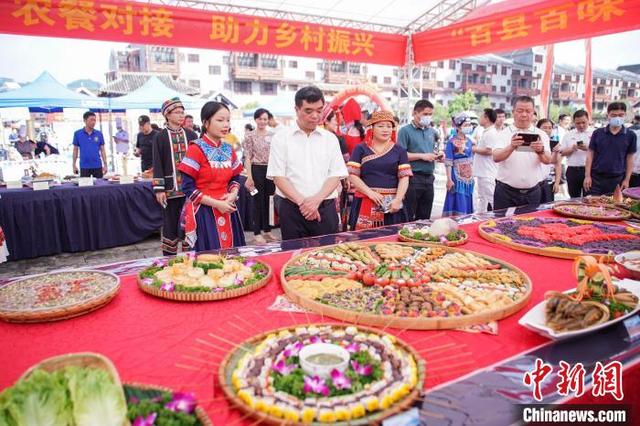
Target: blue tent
151,95
48,94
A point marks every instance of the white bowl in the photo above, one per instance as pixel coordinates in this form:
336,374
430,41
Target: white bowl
634,271
323,370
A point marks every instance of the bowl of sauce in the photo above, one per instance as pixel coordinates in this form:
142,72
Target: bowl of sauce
320,359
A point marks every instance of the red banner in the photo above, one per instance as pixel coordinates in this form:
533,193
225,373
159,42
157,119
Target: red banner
527,24
588,80
545,89
145,23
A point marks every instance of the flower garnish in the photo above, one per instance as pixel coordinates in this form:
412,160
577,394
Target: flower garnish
145,421
238,280
340,381
363,370
158,263
283,368
315,385
147,281
353,347
250,263
182,403
170,286
293,349
315,339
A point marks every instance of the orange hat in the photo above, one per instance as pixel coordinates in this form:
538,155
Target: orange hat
379,116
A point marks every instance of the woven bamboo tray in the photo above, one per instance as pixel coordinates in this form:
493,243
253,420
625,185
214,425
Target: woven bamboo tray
206,296
420,323
199,411
233,357
63,311
622,214
560,253
460,242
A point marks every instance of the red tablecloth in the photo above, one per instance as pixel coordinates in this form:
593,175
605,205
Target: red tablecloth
154,341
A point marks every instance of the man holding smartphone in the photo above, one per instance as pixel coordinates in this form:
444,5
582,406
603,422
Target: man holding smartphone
574,146
522,158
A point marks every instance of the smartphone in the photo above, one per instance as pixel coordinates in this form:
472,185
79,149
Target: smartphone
528,138
580,143
253,192
553,144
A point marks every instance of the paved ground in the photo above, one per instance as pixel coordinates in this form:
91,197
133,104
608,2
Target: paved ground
149,248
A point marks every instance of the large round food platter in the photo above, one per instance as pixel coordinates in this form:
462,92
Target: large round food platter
632,192
564,238
404,285
580,210
205,277
322,373
56,295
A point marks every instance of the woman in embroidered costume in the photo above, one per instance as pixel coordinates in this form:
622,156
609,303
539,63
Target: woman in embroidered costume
169,147
379,170
458,160
210,172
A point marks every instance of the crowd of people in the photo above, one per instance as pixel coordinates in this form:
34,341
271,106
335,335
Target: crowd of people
324,176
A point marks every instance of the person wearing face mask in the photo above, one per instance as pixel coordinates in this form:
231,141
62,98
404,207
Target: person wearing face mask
210,180
522,165
574,146
419,138
168,149
379,170
610,157
458,162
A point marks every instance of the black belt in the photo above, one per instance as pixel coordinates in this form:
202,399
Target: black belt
521,191
324,203
423,173
576,167
607,175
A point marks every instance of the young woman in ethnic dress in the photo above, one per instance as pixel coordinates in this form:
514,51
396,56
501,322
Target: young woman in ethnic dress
210,172
458,161
379,170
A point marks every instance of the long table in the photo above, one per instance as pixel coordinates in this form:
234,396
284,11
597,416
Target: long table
471,377
69,218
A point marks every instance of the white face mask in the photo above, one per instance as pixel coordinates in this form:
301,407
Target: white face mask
425,121
616,121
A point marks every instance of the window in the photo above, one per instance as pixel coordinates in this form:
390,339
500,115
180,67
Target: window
242,87
538,59
452,85
215,70
320,66
395,72
293,87
482,68
374,78
493,89
503,89
248,61
293,64
440,64
502,106
311,75
387,80
452,65
458,77
354,68
164,55
268,89
270,62
195,84
503,70
440,84
508,82
192,57
227,85
494,69
466,67
225,60
338,66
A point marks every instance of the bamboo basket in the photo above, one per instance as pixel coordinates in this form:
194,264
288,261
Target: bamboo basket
460,242
420,323
231,359
63,312
623,215
207,296
549,252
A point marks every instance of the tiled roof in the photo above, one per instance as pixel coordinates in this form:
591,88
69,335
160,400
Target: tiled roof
130,81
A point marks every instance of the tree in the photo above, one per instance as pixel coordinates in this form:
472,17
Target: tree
462,102
556,110
250,105
440,112
482,105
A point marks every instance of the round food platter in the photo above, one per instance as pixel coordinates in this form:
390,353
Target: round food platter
591,212
565,238
632,192
403,285
202,278
57,295
366,375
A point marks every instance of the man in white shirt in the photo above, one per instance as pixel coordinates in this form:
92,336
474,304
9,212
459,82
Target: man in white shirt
306,165
521,164
564,124
484,168
574,146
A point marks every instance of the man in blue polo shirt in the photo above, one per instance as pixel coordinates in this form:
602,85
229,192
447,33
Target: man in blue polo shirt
419,139
610,156
90,143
